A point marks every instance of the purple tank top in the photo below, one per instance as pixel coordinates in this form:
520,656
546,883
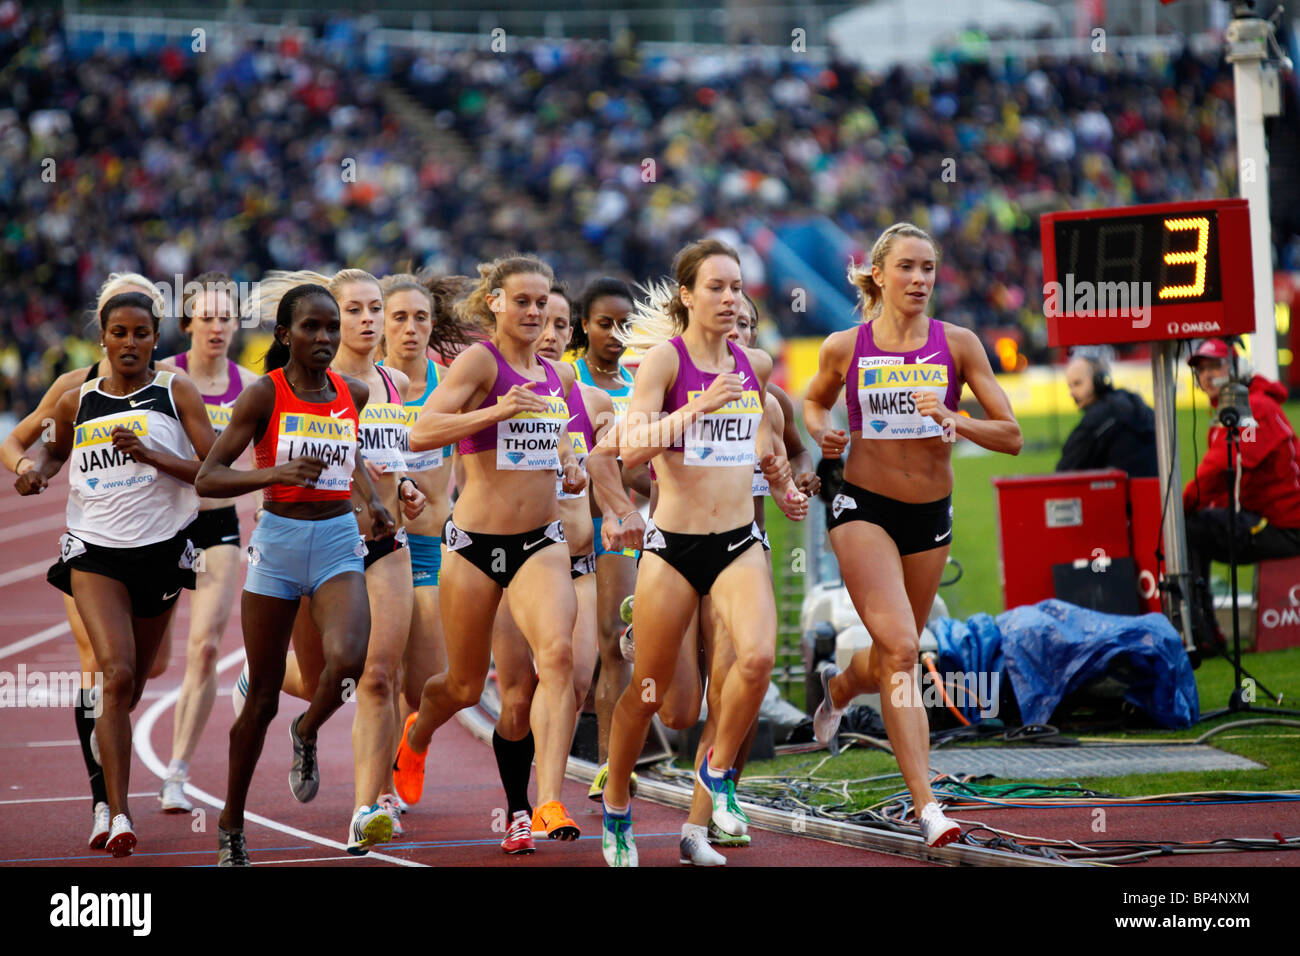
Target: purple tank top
581,434
725,437
527,442
880,386
218,406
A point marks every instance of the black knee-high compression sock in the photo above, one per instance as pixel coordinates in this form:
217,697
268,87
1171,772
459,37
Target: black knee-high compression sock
514,763
84,711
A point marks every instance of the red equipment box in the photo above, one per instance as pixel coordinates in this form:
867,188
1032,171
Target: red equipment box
1278,604
1055,519
1144,524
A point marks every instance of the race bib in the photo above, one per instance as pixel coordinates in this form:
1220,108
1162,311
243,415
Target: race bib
760,485
581,450
70,547
885,398
725,437
531,441
621,404
219,415
333,440
385,432
98,468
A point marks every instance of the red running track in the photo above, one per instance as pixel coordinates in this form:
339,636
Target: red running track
45,805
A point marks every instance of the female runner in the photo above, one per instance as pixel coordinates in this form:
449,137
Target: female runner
382,437
905,372
506,406
696,409
512,741
13,456
127,555
418,316
209,317
603,309
303,419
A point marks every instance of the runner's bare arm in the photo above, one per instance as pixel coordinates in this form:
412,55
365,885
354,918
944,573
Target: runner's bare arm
1000,431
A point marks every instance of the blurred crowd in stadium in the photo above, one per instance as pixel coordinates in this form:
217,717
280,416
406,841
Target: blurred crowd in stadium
181,163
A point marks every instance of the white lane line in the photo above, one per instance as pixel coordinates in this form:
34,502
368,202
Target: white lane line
26,529
40,637
34,570
84,796
144,750
53,743
306,859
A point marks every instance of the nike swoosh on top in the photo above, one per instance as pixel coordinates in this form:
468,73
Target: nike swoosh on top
135,404
336,413
228,404
921,360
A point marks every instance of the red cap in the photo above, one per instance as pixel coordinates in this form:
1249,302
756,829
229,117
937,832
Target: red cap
1210,348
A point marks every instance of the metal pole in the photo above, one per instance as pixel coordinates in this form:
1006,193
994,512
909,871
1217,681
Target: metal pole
1177,577
1247,40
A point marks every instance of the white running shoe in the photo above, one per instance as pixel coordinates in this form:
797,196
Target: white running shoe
727,815
100,827
121,838
937,829
826,720
695,849
370,825
616,839
172,795
240,693
389,802
626,646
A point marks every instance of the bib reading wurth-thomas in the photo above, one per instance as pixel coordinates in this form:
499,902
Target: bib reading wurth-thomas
530,441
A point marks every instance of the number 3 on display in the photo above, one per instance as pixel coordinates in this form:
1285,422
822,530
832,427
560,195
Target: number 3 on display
1202,227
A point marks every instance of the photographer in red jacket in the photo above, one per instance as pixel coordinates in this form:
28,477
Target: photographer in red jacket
1268,496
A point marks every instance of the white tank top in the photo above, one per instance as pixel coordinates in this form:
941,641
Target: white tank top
115,501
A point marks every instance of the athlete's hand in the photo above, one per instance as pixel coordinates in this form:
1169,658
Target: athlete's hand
381,522
725,388
792,502
929,406
413,499
299,472
776,469
520,399
808,483
631,532
31,482
128,441
834,442
374,471
575,479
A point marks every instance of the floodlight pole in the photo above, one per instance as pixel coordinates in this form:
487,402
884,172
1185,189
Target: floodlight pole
1247,43
1176,583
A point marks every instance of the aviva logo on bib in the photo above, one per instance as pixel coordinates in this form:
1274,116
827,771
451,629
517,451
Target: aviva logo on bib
100,432
556,407
749,403
904,376
218,416
317,426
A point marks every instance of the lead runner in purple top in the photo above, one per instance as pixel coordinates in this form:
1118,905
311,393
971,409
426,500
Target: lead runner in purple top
890,524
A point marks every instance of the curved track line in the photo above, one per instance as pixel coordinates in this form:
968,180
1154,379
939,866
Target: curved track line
144,749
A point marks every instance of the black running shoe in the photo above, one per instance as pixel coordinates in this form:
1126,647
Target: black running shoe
304,779
230,848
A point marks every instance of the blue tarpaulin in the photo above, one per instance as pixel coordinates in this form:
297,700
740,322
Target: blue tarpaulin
1051,649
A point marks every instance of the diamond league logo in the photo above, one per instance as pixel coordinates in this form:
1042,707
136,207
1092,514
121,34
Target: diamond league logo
879,424
515,457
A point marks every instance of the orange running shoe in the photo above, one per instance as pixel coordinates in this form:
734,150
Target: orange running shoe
408,768
553,820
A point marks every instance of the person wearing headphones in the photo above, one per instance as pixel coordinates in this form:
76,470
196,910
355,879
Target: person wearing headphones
1118,429
1266,467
